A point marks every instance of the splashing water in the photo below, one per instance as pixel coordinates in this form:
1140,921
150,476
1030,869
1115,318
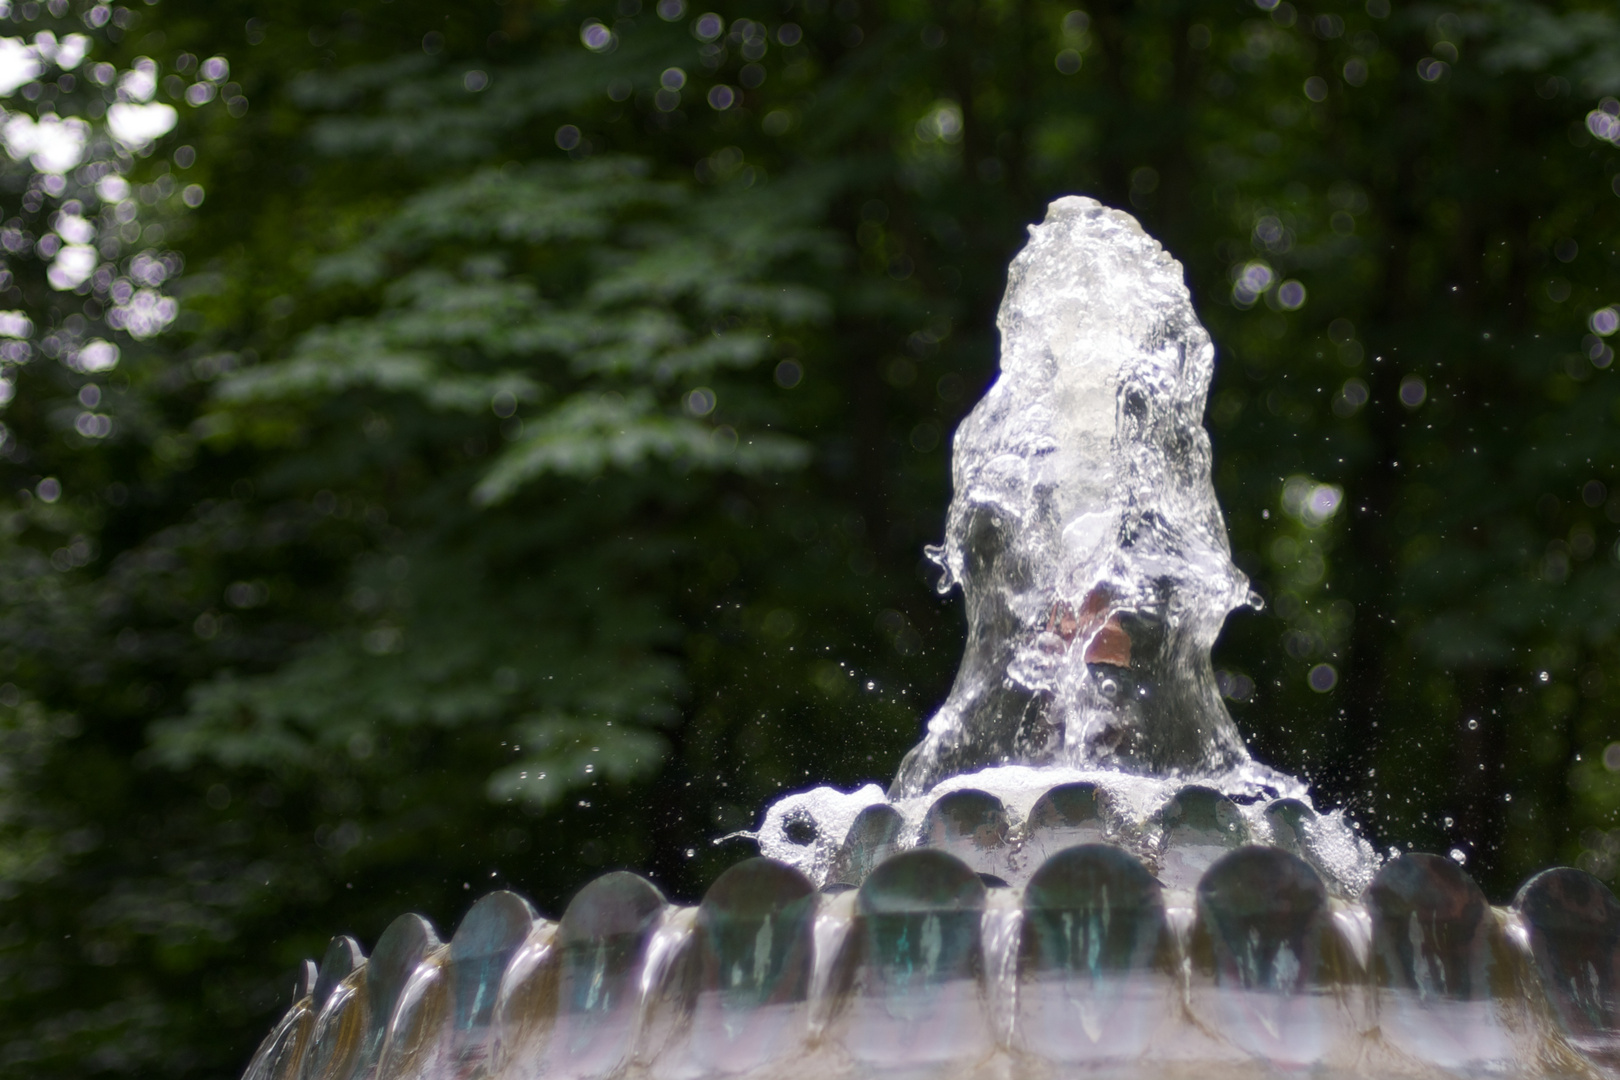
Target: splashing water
1084,529
1086,538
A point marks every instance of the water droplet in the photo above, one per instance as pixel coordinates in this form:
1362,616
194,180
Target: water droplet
1473,725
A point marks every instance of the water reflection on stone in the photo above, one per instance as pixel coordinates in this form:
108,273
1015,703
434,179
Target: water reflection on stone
874,836
281,1055
343,957
401,950
601,945
441,1026
1573,924
1064,817
1432,963
754,938
1286,818
924,971
340,1030
1196,827
1264,939
916,995
972,825
1094,972
526,1005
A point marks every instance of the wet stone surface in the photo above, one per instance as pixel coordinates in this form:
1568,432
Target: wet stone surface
481,949
1287,820
754,937
1265,932
971,825
926,972
304,980
874,836
343,957
1430,926
1573,923
1092,964
442,1024
341,1028
917,985
401,951
1432,962
601,944
281,1055
1196,827
1066,816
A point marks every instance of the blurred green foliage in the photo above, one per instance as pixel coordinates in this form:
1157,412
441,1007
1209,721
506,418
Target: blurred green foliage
536,478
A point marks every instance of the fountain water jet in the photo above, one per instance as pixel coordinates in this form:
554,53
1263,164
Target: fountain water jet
1079,867
1085,534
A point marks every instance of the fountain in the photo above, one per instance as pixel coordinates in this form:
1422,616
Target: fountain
1080,867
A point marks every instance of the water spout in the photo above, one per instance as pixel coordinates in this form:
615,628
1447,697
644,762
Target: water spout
1084,529
1085,535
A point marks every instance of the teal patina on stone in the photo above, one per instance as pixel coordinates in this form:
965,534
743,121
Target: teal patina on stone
1092,963
441,1025
1264,911
754,939
1573,922
602,943
918,979
480,950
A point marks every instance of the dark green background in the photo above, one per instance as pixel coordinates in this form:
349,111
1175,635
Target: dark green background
336,616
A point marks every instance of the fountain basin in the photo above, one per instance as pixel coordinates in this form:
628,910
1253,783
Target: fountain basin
926,970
